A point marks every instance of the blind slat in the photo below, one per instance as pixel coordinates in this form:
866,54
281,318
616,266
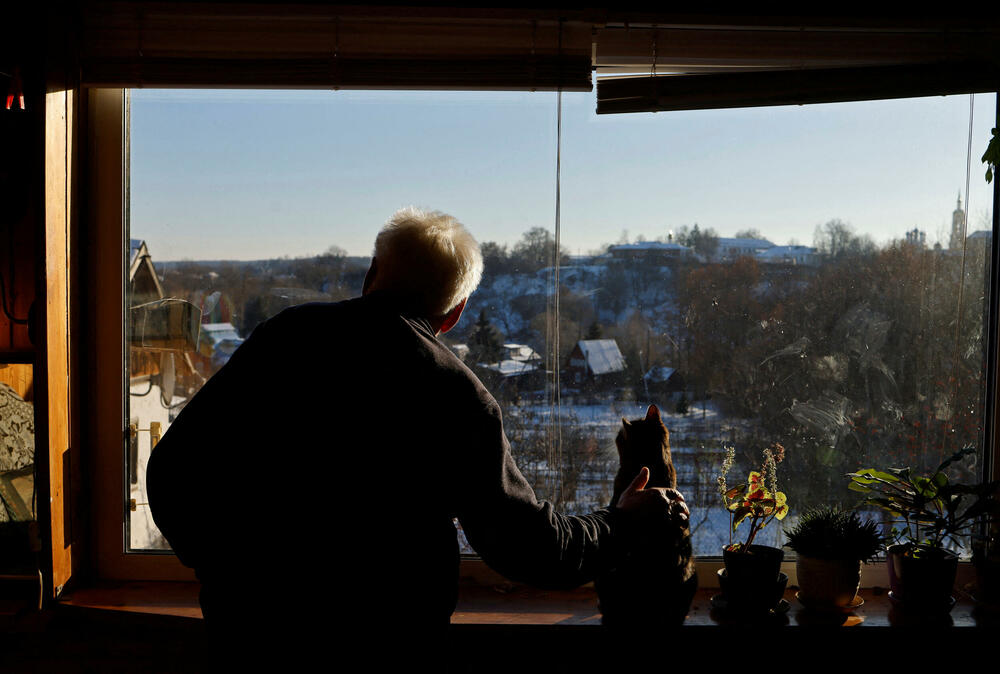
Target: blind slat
125,44
797,87
542,73
680,49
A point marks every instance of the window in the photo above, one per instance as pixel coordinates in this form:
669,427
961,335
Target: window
816,276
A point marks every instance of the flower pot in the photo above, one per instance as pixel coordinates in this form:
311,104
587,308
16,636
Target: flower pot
753,580
924,582
828,582
988,581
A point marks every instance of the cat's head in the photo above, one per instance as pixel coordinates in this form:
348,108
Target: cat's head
644,442
640,432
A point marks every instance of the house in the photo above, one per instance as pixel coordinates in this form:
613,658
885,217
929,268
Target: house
730,249
521,353
218,342
788,255
163,367
663,380
64,255
519,365
593,359
655,252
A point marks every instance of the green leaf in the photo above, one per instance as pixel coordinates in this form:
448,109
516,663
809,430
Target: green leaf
857,486
739,515
886,504
940,479
925,487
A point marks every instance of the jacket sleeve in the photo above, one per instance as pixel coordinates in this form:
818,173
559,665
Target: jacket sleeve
516,534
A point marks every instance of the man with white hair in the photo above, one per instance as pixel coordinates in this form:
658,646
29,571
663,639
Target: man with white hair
327,460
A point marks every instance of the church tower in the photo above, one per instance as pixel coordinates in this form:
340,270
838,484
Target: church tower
957,241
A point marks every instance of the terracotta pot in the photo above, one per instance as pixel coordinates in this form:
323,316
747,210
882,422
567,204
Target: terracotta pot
921,582
831,582
753,579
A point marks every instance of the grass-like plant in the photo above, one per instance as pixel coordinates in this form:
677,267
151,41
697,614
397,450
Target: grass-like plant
829,532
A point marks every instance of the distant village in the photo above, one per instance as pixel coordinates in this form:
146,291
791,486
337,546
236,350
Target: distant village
736,338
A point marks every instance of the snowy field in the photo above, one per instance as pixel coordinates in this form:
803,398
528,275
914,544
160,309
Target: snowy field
696,448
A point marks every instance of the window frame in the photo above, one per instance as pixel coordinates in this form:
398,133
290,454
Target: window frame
106,260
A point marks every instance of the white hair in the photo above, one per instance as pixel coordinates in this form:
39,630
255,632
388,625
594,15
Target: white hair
429,257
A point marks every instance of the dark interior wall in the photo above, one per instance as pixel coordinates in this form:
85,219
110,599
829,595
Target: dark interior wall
22,174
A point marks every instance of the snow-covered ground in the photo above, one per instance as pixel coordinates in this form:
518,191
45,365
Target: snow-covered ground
145,406
697,459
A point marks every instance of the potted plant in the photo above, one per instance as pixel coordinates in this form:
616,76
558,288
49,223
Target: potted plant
934,513
832,543
986,560
752,578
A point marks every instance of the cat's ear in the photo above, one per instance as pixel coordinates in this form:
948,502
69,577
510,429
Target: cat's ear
625,425
653,413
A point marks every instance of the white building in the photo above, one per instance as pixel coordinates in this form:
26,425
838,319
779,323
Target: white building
788,255
731,249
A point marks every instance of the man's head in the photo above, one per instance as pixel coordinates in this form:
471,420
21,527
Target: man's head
429,259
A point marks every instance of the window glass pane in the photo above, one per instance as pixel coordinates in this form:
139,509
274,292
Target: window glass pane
797,275
800,275
244,203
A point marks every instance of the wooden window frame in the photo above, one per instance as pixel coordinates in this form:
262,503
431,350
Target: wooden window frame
106,250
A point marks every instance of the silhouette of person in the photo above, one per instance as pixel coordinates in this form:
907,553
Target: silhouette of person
324,465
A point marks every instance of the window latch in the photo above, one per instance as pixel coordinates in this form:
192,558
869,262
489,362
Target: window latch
154,431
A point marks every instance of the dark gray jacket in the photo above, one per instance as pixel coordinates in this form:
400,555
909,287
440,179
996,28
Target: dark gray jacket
328,458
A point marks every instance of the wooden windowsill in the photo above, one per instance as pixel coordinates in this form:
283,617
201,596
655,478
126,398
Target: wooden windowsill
506,604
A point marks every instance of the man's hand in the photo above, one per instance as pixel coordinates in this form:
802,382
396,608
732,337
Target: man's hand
637,501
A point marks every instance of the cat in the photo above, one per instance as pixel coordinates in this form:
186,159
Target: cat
655,581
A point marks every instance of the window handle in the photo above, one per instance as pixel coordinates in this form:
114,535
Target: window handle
154,431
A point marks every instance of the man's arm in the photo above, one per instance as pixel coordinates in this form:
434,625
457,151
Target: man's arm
528,540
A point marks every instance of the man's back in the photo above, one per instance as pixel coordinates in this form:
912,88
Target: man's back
325,463
308,457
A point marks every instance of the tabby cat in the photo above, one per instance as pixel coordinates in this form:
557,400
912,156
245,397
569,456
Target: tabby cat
655,582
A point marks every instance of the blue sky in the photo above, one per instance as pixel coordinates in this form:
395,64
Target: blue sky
257,174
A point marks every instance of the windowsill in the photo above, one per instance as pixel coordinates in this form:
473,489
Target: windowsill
507,605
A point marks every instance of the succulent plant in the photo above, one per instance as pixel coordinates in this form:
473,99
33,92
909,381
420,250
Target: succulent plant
829,532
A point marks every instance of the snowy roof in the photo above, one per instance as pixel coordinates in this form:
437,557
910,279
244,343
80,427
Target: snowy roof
781,251
217,332
521,352
133,249
510,368
649,245
217,327
659,374
744,243
602,355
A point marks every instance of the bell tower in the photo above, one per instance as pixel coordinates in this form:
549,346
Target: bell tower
957,240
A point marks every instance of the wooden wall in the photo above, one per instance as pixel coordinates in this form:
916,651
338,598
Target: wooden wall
19,377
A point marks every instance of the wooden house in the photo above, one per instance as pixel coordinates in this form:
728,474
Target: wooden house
595,360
